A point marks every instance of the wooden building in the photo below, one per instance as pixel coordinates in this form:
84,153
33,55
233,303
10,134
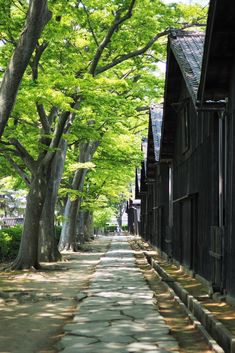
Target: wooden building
148,191
187,148
183,184
188,193
216,100
133,216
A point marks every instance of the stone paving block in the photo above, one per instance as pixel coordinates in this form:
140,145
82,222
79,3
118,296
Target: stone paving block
92,308
80,318
113,294
97,311
118,338
97,301
139,313
90,329
125,302
144,347
105,316
116,330
157,321
110,289
90,349
142,295
133,269
99,348
139,331
143,301
81,342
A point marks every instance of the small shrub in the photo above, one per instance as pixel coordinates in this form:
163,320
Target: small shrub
113,228
10,242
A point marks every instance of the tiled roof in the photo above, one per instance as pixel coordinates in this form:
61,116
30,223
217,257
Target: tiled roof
156,112
188,50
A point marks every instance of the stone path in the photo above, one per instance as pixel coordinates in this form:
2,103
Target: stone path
118,315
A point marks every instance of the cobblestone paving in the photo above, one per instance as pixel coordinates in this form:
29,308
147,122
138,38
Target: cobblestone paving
118,315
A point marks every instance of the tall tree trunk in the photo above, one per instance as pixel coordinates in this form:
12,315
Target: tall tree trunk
72,225
48,250
37,17
28,252
121,209
64,231
88,225
80,226
119,222
69,230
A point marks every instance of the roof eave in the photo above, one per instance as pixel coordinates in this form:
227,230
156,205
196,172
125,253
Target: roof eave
207,46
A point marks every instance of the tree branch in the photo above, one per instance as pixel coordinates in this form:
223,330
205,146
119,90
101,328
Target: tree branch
43,118
46,125
142,109
52,115
23,153
89,23
71,117
18,169
114,26
35,62
18,120
93,147
8,149
59,130
62,127
138,132
136,126
37,17
142,50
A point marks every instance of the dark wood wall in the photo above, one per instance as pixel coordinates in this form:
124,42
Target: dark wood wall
229,255
195,188
197,238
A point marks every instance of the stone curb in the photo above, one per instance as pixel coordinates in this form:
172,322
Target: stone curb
214,327
211,342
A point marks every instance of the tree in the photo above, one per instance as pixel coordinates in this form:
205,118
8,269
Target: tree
37,17
108,184
92,63
41,171
51,115
72,208
102,217
48,250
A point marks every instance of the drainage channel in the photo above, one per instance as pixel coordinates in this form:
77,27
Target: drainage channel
218,337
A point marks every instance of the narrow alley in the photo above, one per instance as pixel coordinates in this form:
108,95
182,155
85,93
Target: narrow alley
117,169
119,312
